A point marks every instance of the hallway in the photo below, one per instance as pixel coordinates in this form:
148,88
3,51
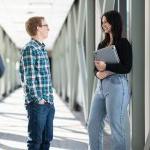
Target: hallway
69,133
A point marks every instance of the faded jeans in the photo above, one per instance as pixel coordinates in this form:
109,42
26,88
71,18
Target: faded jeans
111,98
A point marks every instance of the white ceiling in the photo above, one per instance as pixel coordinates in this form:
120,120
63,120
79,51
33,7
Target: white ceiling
14,13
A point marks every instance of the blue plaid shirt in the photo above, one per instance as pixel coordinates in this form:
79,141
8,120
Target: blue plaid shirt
35,73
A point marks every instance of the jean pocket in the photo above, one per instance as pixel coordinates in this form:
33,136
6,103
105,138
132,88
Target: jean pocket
115,80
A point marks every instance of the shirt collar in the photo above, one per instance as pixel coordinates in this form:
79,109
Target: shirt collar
39,43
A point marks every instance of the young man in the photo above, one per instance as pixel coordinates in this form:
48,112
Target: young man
37,85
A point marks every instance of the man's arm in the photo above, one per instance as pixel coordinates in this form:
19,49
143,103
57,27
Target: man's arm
2,67
29,63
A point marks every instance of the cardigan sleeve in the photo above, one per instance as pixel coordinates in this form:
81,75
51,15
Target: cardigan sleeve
124,50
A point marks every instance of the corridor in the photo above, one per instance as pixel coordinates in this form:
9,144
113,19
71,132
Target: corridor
69,132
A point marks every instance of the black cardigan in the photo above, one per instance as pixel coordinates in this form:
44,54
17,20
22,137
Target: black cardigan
124,50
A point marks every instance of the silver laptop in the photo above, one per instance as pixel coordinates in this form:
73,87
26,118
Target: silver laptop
107,54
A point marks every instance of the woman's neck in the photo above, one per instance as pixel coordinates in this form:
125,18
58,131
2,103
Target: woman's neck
111,39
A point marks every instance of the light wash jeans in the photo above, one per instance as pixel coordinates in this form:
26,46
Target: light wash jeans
112,98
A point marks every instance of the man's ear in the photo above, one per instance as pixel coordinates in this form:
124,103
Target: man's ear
37,27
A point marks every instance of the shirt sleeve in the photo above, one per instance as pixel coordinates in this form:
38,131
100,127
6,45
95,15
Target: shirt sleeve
29,69
125,55
21,71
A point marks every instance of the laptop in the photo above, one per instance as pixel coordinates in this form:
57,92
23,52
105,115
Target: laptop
107,54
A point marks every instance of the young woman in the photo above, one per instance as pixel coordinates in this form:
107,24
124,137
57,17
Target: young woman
112,92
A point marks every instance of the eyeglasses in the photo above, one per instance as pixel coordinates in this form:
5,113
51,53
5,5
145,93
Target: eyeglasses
44,25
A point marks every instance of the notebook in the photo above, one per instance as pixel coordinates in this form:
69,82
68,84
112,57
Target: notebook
107,54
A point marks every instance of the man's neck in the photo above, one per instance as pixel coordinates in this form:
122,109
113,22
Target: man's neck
37,39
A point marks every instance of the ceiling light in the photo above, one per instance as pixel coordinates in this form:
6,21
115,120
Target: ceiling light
40,3
30,12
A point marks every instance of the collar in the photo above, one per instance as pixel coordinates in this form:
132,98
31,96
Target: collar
38,43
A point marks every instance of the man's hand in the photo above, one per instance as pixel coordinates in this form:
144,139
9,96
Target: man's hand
103,74
42,101
100,65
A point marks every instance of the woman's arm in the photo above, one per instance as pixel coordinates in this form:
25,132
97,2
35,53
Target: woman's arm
124,50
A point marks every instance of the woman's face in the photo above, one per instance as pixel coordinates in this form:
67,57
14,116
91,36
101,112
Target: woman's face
105,25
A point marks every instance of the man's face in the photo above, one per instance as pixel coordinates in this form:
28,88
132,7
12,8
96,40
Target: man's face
43,30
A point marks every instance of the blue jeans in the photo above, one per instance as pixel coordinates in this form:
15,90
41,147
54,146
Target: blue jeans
112,98
40,126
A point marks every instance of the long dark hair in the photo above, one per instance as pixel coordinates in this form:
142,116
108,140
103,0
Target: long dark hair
114,19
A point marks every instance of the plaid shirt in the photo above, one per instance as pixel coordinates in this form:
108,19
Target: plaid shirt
35,73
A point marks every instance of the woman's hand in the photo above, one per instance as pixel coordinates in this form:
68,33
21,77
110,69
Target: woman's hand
103,74
100,65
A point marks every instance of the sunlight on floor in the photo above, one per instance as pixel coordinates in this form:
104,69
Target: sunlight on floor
69,133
